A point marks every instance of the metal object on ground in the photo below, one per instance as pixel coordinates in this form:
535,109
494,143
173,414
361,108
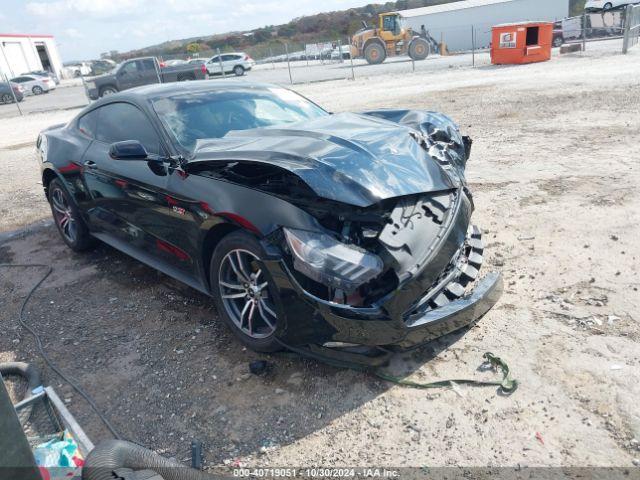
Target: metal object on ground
631,27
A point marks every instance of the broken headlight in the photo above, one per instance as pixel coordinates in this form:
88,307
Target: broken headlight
330,262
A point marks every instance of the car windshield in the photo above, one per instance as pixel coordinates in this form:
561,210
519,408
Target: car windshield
192,116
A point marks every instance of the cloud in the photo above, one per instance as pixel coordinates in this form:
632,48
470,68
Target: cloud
73,33
90,8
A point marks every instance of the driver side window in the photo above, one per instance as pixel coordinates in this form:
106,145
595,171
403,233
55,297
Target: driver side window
122,121
129,68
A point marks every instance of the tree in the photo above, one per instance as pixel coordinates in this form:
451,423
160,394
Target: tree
193,48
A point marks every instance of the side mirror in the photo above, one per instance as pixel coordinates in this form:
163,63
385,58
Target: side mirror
128,150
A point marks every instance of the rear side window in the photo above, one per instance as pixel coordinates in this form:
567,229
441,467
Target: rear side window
122,121
88,124
147,64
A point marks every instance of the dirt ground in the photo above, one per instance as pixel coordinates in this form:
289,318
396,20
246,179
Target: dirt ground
556,177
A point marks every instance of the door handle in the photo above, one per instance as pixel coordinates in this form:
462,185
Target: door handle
90,164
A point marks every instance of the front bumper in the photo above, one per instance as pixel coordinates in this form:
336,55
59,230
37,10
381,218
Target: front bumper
313,321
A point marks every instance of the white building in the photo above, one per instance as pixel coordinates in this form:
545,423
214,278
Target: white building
20,53
452,22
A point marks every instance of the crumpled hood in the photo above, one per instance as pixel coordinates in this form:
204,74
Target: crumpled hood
350,158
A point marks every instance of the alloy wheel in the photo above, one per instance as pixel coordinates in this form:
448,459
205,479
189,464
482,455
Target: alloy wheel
37,90
64,215
6,98
245,294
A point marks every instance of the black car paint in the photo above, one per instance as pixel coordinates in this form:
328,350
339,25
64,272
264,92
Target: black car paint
167,212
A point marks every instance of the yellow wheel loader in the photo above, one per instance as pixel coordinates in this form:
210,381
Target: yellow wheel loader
389,39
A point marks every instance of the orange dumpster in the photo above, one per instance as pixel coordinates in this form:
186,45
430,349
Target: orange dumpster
526,42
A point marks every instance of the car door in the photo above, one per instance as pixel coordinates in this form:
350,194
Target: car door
213,65
129,75
228,62
129,204
148,72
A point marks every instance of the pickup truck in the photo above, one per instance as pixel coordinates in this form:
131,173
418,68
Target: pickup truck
140,71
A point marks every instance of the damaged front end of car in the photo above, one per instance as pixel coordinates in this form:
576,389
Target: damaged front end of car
394,261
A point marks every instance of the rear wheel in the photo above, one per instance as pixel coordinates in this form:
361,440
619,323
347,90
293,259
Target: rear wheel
418,49
558,41
6,98
37,90
238,70
70,225
374,53
243,292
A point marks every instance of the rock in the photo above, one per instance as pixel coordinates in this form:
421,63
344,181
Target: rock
279,391
295,379
636,462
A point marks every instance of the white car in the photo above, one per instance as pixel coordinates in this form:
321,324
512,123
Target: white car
592,5
236,63
34,84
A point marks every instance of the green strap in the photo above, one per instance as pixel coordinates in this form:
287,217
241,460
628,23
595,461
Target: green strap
507,384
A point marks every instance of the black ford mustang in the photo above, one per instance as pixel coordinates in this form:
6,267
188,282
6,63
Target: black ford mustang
339,234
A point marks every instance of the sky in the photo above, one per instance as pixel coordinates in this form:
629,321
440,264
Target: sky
85,28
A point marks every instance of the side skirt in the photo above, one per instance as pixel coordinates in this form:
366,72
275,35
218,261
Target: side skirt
151,261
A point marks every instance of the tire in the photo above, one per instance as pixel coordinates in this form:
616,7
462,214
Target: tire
108,90
37,90
374,53
251,314
418,49
6,98
74,231
238,70
558,41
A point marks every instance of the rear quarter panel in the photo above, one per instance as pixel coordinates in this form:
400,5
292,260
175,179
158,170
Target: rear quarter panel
60,150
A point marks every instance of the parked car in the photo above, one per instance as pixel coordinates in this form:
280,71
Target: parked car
34,84
140,71
77,70
45,73
236,63
596,5
342,233
99,67
6,96
566,30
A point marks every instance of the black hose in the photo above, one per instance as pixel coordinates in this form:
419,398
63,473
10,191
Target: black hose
112,455
42,351
31,374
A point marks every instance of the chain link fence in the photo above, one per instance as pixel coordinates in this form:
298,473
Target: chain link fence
326,59
632,27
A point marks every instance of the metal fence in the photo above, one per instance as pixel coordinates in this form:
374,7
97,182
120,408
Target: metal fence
326,59
632,27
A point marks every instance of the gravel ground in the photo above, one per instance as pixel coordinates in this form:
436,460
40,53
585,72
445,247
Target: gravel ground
555,176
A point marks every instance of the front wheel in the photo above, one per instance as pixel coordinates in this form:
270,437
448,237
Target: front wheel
106,91
238,70
558,41
243,292
70,225
6,98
